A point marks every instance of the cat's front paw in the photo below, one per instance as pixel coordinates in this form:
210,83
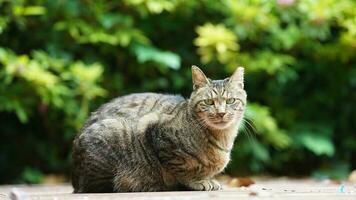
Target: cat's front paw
205,185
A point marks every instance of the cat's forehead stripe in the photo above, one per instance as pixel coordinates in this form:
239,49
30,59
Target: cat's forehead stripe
218,87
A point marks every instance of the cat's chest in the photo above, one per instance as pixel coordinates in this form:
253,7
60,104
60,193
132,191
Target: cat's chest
215,161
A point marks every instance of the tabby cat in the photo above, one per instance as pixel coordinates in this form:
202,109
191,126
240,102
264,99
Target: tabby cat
157,142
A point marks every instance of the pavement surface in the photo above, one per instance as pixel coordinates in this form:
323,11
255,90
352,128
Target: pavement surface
276,188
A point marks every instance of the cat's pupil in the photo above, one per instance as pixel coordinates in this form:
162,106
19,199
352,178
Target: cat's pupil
209,101
230,100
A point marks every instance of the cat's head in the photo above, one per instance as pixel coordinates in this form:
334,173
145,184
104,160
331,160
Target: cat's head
218,104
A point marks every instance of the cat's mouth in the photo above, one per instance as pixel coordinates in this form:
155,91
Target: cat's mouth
220,122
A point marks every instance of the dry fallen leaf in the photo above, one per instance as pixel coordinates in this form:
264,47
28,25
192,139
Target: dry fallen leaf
54,179
240,182
252,193
352,177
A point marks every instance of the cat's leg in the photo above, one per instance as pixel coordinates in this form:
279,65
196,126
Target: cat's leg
91,184
186,175
92,166
137,180
186,170
94,159
203,185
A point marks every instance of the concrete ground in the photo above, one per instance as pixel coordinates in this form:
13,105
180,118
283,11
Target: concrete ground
277,188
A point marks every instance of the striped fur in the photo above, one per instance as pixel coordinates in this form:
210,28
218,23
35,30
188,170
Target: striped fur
156,142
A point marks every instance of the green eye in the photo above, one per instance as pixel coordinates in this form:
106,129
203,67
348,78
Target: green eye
230,100
208,101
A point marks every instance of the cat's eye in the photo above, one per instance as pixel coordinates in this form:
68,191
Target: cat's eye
208,101
230,100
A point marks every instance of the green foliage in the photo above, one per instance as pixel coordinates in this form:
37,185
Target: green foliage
30,175
315,138
59,60
48,81
216,42
266,124
165,58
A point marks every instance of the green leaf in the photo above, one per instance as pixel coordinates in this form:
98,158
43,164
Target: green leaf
260,151
146,53
21,113
29,10
318,144
216,42
267,126
316,138
31,175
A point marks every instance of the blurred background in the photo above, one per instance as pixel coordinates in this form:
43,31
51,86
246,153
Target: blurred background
62,59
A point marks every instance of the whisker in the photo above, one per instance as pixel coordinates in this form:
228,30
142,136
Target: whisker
249,129
250,124
248,134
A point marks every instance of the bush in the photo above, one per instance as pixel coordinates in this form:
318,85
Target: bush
59,60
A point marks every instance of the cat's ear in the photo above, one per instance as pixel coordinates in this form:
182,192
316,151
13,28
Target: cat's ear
237,79
199,78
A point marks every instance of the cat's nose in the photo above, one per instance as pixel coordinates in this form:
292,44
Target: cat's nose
221,114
